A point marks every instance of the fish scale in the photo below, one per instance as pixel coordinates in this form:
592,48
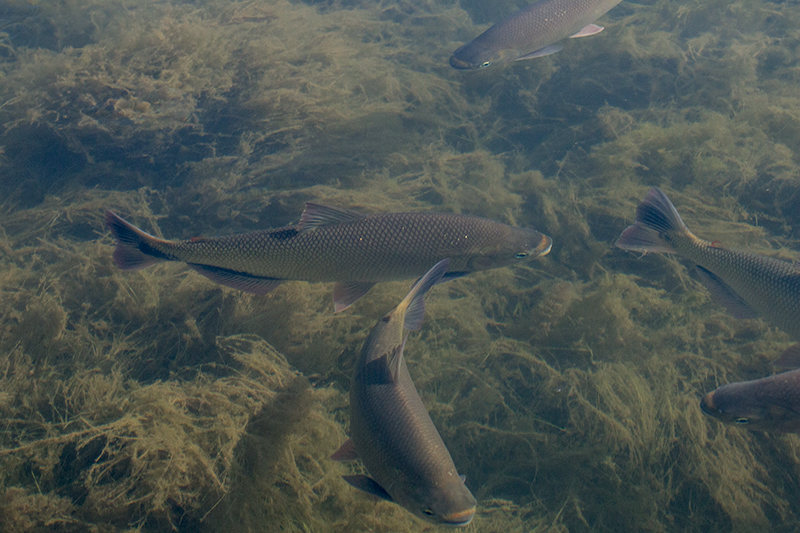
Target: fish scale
748,284
332,244
767,404
390,429
529,30
369,249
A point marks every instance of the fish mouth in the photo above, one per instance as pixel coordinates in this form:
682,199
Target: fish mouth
707,405
459,519
459,64
544,247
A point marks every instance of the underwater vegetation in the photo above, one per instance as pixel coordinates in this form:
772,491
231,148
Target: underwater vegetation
567,390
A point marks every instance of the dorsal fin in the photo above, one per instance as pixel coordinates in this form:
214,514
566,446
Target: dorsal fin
394,359
318,215
413,305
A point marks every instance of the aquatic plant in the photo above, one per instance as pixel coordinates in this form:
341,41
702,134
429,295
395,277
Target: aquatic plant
566,389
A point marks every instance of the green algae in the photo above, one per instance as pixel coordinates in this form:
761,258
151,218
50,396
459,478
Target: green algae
566,389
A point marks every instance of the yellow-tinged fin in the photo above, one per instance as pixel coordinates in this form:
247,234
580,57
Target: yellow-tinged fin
318,215
135,248
655,218
392,362
413,305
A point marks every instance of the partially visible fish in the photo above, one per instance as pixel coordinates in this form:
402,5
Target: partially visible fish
768,404
12,11
330,244
746,283
531,32
392,433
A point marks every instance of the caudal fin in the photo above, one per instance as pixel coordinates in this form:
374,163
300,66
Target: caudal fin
655,218
414,302
134,247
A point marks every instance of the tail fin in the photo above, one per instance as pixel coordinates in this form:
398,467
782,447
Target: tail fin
134,247
414,302
655,217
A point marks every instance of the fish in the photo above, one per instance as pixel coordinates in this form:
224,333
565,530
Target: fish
767,404
390,429
330,244
747,284
13,11
531,32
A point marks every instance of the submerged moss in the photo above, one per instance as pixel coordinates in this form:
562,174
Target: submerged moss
567,389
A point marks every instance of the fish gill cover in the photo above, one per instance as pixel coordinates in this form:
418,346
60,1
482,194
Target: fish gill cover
566,390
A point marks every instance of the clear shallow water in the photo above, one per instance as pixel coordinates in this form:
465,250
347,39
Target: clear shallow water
567,389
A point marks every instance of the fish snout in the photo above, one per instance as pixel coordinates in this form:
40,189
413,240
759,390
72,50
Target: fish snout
707,405
460,518
459,63
545,246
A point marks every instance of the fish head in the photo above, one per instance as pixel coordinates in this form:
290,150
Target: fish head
740,404
511,246
472,57
449,504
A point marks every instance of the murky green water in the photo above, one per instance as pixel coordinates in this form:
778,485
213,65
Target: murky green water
567,389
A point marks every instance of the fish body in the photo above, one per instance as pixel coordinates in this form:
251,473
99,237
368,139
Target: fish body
391,431
746,283
531,32
335,245
768,404
12,11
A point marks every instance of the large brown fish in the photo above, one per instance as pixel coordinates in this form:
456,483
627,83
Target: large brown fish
747,284
390,430
768,404
531,32
331,244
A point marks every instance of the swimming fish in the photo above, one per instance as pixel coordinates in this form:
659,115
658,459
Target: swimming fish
531,32
746,283
13,11
768,404
390,430
330,244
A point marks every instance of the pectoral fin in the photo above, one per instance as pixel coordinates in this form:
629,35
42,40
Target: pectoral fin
546,51
384,370
237,280
725,295
790,358
346,293
369,485
586,31
346,452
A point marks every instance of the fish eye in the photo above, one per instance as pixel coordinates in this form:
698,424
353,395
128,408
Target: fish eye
485,64
742,420
427,512
521,255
